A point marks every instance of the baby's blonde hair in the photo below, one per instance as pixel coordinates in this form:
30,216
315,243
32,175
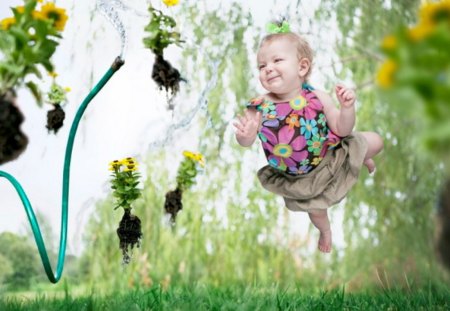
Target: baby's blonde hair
303,48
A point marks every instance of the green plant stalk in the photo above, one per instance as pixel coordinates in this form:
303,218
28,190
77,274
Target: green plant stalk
124,186
54,278
186,174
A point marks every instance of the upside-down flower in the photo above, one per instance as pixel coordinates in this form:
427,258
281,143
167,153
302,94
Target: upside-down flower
58,15
170,2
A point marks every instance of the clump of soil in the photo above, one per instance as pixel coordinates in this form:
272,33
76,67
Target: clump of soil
443,224
130,234
55,119
173,203
12,140
165,75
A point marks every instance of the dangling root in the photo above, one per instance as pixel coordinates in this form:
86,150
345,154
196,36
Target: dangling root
173,203
55,119
130,234
165,75
12,140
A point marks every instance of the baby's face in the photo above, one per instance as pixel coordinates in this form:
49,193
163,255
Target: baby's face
279,66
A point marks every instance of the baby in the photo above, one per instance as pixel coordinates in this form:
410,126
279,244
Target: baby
314,157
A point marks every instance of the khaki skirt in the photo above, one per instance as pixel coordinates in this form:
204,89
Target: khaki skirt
324,186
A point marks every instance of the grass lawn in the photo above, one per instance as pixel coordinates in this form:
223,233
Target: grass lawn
237,298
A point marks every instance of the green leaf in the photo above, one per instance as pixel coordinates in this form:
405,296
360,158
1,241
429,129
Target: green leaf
35,91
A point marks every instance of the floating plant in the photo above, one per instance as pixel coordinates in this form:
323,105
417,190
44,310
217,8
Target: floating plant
161,34
28,40
186,174
56,97
124,182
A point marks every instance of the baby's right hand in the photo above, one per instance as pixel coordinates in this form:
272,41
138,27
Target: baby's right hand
247,125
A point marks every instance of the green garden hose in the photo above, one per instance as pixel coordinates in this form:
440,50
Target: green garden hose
54,278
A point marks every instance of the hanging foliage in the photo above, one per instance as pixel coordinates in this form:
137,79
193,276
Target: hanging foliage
188,170
161,33
56,97
28,39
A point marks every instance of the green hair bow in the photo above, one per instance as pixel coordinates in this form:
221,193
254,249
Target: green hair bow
277,28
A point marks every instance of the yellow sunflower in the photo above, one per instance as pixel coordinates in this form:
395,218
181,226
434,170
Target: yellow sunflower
433,13
196,157
170,2
199,158
389,43
129,160
188,154
385,76
20,9
58,15
420,31
6,23
37,15
130,168
113,165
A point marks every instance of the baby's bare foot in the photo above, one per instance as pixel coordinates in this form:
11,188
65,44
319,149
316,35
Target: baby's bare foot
325,241
370,165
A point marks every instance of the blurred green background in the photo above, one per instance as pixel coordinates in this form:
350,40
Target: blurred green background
230,230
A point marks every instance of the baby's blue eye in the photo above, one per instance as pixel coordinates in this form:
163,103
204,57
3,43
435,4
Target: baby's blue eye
278,60
262,67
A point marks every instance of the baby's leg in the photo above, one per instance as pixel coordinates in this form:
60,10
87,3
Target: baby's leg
320,220
375,145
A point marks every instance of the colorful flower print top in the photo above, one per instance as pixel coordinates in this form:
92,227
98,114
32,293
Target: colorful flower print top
294,134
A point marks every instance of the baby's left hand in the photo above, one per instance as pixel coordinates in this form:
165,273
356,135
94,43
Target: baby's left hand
346,96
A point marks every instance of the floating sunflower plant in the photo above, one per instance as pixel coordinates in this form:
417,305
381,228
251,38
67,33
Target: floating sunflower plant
416,72
162,32
28,39
191,165
56,96
124,182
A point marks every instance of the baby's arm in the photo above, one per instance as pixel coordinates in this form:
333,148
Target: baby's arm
247,127
340,121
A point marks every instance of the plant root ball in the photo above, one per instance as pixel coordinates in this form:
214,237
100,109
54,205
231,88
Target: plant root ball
130,234
12,140
173,203
165,75
55,119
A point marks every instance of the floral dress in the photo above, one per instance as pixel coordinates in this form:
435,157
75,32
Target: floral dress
294,134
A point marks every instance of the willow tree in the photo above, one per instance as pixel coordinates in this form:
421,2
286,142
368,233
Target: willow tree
388,216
